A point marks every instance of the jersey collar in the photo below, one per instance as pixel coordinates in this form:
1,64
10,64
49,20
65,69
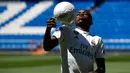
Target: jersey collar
81,31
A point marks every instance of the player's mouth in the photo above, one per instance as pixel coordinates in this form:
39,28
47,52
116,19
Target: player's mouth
80,19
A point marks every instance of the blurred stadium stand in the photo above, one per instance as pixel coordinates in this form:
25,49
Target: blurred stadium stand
24,21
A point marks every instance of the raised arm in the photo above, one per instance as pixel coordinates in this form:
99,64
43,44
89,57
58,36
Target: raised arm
49,42
100,59
99,55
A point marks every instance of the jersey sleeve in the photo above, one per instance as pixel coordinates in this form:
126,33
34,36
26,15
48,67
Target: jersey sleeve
99,53
57,34
64,33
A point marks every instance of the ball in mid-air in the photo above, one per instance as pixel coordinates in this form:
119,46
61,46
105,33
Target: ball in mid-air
64,12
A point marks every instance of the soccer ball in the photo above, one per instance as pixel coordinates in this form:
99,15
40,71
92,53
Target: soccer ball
64,12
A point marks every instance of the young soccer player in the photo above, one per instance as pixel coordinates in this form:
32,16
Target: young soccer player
79,49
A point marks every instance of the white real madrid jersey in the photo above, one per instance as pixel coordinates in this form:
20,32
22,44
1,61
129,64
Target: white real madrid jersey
78,49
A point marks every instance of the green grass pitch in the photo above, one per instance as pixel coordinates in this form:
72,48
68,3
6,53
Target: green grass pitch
51,64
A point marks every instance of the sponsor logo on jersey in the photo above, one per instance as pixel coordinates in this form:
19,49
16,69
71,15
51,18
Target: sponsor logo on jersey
83,50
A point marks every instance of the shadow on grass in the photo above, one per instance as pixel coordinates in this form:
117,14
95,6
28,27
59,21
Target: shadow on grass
46,60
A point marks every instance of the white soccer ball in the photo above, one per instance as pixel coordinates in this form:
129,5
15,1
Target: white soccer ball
64,12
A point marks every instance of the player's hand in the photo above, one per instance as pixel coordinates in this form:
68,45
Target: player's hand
51,23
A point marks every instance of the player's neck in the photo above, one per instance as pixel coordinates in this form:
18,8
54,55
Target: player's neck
82,29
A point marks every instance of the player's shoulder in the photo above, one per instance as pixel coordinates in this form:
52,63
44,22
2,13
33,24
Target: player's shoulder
96,39
56,32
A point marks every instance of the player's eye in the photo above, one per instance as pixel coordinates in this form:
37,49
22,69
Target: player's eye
85,13
77,14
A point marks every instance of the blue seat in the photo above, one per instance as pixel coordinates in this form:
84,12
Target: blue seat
110,21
